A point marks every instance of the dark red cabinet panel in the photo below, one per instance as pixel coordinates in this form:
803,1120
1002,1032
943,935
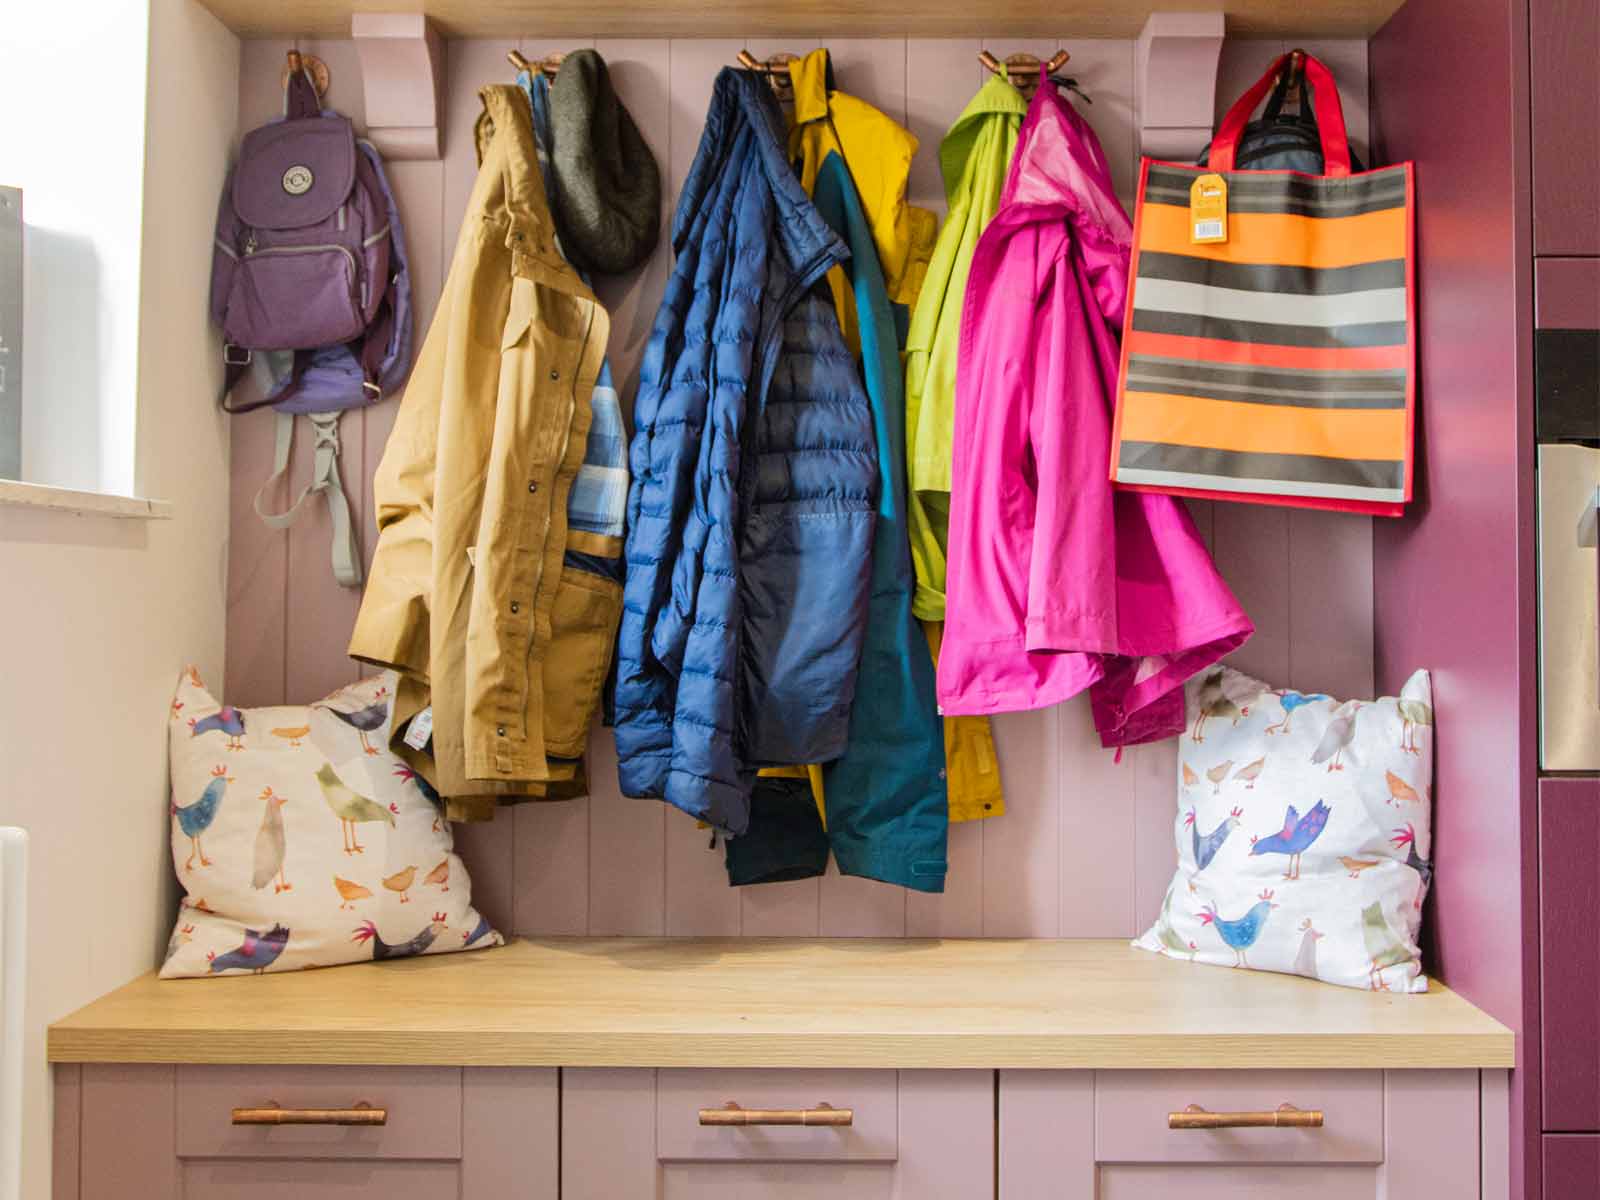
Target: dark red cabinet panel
1569,903
1571,1166
1565,36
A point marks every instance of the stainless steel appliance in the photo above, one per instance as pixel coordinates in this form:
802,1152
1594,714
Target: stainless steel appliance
1569,611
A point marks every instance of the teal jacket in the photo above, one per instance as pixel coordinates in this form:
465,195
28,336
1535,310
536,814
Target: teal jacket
887,805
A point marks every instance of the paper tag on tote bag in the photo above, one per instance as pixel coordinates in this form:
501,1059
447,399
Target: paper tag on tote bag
1208,209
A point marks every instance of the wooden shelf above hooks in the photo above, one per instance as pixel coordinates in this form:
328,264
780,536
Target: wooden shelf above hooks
995,20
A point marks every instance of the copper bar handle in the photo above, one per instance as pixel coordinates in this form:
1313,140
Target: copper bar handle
733,1114
1285,1116
275,1114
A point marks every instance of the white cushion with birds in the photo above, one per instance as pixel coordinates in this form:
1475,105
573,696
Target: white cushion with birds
300,841
1304,833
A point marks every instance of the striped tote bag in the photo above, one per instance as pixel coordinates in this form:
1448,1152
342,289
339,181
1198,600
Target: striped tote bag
1275,365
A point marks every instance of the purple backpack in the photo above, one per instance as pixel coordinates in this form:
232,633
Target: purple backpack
311,288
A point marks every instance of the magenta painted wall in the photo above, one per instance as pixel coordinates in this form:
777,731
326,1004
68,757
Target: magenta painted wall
1453,580
1086,849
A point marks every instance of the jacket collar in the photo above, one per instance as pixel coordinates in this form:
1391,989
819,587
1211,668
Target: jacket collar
742,100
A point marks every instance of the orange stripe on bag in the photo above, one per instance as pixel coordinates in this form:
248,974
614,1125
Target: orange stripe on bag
1281,239
1174,345
1378,434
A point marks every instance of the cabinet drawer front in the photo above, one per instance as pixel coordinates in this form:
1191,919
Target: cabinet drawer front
872,1135
1571,1166
423,1105
1131,1110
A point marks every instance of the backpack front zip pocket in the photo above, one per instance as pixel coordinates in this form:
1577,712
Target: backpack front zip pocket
293,297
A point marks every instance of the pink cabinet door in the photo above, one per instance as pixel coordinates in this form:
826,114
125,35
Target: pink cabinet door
1072,1135
474,1133
1569,952
1565,47
914,1135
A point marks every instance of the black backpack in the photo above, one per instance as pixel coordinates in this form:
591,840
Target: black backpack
1280,141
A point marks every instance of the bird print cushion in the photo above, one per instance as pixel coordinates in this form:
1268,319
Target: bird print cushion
1304,837
300,841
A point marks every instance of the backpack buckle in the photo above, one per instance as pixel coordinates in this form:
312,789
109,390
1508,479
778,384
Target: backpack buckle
227,356
377,392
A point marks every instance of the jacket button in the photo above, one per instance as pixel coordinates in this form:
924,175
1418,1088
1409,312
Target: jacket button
500,730
533,485
515,607
554,374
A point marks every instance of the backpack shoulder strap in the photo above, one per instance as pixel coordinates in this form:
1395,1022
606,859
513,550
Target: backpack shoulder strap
324,479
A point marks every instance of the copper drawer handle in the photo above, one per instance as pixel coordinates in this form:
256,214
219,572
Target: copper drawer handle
273,1113
822,1114
1285,1116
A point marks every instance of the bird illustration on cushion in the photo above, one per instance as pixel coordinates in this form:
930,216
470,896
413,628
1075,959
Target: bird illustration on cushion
1336,739
1406,836
439,877
1207,845
1413,712
1357,865
350,891
1239,935
256,953
1251,772
400,882
293,735
194,819
1291,701
368,932
228,720
1305,961
1171,942
1383,946
1213,701
481,930
270,846
1218,773
1400,790
1295,837
351,807
364,720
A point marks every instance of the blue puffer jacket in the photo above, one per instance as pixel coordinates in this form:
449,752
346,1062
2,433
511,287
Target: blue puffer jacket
754,487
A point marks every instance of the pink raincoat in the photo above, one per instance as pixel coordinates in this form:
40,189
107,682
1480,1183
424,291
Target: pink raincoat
1056,582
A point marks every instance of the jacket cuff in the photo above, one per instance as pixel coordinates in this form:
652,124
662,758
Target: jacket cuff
393,633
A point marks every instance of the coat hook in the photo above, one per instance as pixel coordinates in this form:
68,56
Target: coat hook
548,65
1024,69
311,64
776,69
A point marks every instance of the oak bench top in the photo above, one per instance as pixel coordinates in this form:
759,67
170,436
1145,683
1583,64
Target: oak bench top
783,1002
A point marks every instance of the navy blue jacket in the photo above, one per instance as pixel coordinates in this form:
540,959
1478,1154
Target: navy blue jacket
754,487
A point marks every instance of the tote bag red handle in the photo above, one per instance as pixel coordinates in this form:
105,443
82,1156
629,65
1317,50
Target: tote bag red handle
1324,102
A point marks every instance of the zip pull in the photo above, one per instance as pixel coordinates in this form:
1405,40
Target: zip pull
250,243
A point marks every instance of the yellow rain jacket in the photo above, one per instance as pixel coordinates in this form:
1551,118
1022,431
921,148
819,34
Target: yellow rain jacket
878,151
497,632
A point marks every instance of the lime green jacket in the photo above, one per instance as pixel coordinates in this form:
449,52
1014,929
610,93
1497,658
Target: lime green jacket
974,158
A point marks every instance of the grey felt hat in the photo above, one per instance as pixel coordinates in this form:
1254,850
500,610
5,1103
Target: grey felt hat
607,198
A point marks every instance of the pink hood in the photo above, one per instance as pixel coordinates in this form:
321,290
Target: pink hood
1056,582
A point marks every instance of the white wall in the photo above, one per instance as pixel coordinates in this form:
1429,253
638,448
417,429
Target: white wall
100,615
72,137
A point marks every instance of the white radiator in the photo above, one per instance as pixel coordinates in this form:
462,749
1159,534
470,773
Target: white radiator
13,979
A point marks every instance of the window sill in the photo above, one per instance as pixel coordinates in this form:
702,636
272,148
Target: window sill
99,504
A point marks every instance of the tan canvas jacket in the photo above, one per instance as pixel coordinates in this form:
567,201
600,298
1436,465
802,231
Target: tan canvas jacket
468,596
